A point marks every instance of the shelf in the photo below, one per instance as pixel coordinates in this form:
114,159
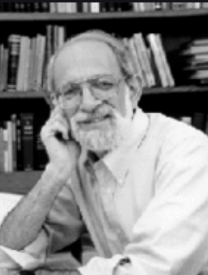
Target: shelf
179,89
146,91
105,15
17,94
18,182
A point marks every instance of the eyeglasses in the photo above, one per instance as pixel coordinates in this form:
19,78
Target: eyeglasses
102,87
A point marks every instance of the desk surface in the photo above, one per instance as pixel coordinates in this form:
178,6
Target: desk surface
19,182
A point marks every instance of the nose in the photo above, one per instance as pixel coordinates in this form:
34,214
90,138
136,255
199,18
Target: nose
88,101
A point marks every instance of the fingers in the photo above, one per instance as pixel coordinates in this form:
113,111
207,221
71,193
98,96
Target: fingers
57,123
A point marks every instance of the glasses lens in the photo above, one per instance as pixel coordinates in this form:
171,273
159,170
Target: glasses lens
103,84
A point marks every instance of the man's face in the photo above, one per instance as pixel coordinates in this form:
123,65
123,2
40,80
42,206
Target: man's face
98,123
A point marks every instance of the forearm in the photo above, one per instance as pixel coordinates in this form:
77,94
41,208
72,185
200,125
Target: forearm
24,223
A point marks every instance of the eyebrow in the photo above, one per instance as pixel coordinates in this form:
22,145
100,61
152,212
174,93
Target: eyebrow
67,85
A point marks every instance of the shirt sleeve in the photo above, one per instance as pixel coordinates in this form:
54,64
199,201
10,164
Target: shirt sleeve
171,236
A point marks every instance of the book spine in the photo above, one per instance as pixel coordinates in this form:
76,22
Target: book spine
27,134
41,158
14,149
1,150
19,155
14,45
5,141
199,120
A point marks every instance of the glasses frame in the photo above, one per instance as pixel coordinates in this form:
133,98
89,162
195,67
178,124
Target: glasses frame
63,101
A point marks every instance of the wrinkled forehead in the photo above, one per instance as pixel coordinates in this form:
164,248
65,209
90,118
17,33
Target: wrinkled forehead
86,55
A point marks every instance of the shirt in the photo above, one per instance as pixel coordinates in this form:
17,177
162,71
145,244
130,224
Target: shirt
145,205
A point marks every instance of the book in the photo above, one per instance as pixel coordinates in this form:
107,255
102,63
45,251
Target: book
199,120
5,141
164,60
135,59
19,154
186,119
27,135
146,59
204,5
40,157
1,150
40,61
21,63
26,66
199,74
1,66
13,45
178,5
196,49
94,7
14,142
157,58
140,58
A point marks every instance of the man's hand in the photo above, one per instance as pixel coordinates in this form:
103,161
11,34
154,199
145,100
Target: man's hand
63,152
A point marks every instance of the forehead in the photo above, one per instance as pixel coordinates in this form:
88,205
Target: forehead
85,59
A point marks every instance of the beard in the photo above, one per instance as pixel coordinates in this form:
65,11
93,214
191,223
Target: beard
106,129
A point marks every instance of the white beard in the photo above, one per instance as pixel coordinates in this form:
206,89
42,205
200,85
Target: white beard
107,138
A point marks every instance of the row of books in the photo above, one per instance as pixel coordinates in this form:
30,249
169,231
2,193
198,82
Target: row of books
21,148
195,57
91,7
24,59
150,60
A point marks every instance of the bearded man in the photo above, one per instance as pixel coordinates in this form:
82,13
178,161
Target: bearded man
137,181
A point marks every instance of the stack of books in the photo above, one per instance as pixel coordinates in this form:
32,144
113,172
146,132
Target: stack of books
196,60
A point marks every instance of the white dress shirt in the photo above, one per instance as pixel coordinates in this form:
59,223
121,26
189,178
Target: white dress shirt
145,205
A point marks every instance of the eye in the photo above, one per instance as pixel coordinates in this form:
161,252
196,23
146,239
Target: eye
72,91
103,84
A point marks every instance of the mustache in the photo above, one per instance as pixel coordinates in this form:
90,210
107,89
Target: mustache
96,113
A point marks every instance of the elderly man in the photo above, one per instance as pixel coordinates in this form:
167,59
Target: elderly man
138,181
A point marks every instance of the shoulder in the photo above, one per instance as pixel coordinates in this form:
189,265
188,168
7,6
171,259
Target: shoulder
172,132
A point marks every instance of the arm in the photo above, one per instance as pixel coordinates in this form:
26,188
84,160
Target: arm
171,237
23,224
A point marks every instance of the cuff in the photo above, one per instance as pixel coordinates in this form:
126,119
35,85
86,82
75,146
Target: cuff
103,266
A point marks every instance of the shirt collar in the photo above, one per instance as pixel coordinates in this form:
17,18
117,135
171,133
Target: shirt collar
118,161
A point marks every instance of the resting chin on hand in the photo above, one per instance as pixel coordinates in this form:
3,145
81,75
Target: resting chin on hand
63,152
23,224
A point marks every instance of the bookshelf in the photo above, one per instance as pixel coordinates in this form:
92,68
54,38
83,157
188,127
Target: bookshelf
176,28
18,182
9,16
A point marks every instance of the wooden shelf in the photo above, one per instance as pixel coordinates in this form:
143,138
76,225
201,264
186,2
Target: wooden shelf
100,16
18,182
18,94
179,89
147,91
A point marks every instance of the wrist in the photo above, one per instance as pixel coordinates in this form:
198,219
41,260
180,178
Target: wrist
55,174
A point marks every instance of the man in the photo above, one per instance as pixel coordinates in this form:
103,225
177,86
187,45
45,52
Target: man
137,181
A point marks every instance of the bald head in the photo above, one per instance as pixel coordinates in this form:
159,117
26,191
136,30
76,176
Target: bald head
84,59
103,42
